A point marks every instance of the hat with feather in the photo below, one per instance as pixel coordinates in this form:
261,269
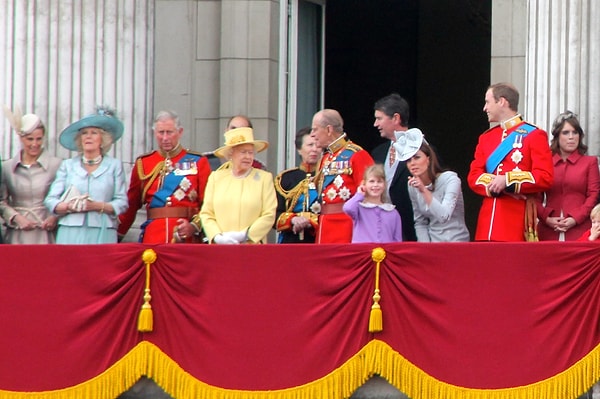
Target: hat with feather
22,124
104,118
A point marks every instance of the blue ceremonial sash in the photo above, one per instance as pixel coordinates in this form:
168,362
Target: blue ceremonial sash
312,197
170,184
343,156
506,146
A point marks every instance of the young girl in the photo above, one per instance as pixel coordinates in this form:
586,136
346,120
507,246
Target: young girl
374,219
594,232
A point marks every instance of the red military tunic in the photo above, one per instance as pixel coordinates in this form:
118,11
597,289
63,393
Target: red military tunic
340,173
169,188
528,170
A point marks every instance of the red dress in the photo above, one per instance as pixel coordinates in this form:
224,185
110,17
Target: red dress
528,170
340,173
586,236
169,189
574,192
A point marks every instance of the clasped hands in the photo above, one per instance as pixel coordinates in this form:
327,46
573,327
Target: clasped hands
560,224
231,237
78,203
23,223
300,223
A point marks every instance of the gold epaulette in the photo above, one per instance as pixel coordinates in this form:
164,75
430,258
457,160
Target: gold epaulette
277,182
353,147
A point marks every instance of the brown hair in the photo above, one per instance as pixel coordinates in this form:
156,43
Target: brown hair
557,127
508,92
434,168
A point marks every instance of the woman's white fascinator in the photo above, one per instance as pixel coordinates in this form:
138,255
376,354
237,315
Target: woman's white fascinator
23,124
408,143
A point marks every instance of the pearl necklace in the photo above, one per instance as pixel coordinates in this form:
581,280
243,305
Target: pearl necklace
93,161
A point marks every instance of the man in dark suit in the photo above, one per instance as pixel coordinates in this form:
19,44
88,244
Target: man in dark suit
391,114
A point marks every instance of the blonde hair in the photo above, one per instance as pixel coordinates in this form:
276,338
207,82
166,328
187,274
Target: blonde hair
377,171
107,140
595,213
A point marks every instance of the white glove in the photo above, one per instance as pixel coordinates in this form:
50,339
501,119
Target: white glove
239,236
224,239
79,203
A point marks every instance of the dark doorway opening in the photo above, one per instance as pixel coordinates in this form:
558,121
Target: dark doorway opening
434,53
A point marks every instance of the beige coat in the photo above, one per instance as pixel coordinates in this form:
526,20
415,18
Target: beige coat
22,190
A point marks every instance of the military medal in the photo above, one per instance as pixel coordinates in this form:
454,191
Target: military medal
517,156
518,141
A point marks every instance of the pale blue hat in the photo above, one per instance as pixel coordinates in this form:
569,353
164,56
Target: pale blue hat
104,119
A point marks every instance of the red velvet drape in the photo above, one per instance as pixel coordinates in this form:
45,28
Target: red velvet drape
476,315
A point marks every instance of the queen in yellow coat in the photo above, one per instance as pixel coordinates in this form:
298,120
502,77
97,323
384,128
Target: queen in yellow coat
239,201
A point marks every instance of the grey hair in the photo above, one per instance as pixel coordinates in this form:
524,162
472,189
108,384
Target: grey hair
167,115
331,117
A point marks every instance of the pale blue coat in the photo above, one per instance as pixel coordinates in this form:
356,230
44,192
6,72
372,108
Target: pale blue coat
106,184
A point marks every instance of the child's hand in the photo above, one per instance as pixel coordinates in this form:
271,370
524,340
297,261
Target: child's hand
361,189
595,231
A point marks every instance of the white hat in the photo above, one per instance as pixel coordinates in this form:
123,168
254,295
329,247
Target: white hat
408,143
23,125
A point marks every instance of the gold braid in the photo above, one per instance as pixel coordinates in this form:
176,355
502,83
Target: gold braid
291,199
152,175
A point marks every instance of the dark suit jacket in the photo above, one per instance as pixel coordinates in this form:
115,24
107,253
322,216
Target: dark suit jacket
399,192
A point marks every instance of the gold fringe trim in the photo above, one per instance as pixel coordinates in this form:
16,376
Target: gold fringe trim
375,358
117,379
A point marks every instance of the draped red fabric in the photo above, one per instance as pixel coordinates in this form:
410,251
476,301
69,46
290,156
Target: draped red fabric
67,312
263,317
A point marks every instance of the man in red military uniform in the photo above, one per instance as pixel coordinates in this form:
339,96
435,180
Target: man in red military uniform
512,160
170,183
340,173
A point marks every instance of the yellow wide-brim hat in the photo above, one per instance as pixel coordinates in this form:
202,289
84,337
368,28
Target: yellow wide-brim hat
239,136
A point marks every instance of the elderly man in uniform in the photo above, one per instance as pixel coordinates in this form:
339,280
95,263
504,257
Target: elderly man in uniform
512,161
340,174
169,183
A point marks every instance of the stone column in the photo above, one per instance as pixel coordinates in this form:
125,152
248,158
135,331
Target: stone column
62,59
562,64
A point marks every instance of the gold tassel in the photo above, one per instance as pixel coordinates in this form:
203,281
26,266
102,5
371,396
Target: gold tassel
145,320
376,316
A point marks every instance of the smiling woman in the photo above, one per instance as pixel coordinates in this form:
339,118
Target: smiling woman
26,179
